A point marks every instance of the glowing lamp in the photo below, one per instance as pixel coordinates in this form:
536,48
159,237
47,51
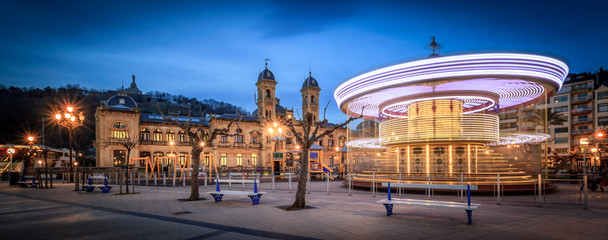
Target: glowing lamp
31,139
70,109
270,130
10,151
280,130
600,134
584,141
593,150
73,118
57,116
275,124
67,115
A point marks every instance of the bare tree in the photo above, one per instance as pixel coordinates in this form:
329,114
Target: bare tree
310,129
129,143
198,143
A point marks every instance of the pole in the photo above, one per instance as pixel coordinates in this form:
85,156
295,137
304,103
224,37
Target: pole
70,143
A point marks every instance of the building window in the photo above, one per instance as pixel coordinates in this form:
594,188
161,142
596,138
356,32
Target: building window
157,136
561,140
239,159
205,136
602,107
170,135
224,139
119,157
119,131
560,109
254,159
223,162
182,136
206,160
582,96
145,134
331,160
602,95
561,130
182,158
238,139
330,142
601,121
560,99
254,139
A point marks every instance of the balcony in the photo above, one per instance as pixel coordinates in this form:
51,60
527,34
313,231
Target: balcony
508,120
581,110
582,131
581,121
255,145
224,144
239,145
580,89
581,100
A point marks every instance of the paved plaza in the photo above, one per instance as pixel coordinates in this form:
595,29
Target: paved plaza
156,213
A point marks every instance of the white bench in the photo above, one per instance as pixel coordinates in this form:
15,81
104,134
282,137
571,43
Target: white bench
105,188
254,196
24,182
468,207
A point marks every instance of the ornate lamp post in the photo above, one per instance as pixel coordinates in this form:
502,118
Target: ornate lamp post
30,141
70,120
275,128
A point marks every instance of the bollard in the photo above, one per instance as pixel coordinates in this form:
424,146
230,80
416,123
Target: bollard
243,178
350,183
373,184
461,191
400,189
272,181
290,182
174,179
229,181
205,174
183,179
139,178
327,184
539,190
498,188
164,179
255,184
155,177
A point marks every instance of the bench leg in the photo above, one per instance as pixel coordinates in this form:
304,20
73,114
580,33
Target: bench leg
255,199
217,197
105,189
389,209
89,189
469,215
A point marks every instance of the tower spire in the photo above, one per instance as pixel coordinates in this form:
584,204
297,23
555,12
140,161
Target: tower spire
266,61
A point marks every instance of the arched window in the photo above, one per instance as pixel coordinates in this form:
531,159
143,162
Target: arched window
119,131
157,136
205,136
182,136
254,159
170,135
312,99
306,99
223,160
267,93
144,134
182,158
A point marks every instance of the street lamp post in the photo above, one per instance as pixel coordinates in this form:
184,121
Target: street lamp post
70,120
584,142
275,128
30,141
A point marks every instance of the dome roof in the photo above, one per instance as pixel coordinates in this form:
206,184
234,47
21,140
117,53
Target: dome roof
121,102
310,82
266,74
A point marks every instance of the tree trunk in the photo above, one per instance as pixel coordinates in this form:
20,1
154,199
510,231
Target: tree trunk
196,158
300,201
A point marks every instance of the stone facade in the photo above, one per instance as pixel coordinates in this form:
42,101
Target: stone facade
120,118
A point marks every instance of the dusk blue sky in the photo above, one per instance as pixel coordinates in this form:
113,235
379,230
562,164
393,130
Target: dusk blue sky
215,49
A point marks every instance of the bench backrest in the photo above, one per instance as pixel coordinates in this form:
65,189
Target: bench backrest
238,180
430,186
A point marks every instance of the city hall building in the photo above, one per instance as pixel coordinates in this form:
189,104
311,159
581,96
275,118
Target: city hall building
119,118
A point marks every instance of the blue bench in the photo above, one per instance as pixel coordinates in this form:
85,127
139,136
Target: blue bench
25,182
254,196
105,188
468,207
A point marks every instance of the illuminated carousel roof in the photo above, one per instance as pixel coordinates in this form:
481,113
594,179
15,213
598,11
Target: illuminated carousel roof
480,81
